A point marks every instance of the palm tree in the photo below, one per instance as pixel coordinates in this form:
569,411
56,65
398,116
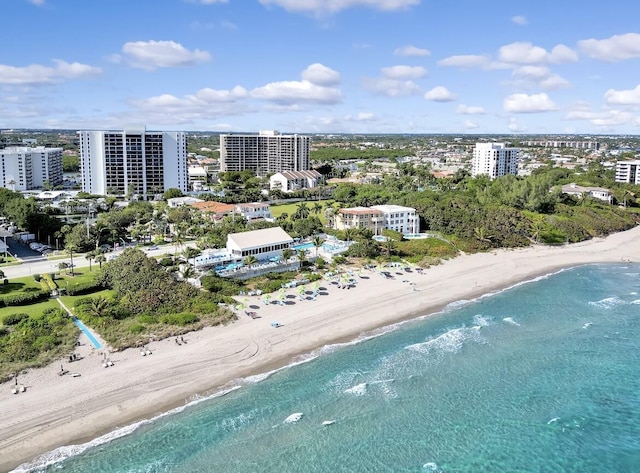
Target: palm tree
287,254
317,243
536,229
389,246
188,272
250,260
280,219
348,234
317,208
90,256
70,248
100,259
302,211
481,234
302,256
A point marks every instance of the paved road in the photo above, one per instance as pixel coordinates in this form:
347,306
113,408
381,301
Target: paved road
41,265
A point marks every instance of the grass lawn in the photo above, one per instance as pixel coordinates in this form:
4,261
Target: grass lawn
26,283
290,209
34,310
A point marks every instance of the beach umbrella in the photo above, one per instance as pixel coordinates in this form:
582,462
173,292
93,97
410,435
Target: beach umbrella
301,291
266,299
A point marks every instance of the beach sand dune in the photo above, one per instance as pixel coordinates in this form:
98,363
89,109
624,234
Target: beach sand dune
63,410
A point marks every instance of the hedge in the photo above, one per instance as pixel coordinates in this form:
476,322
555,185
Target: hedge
84,288
23,298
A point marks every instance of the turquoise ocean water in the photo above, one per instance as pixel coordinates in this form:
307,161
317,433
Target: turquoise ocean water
542,377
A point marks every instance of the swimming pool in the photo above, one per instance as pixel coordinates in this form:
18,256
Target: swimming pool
415,236
228,267
302,246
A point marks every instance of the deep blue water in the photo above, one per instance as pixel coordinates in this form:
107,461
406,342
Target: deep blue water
543,377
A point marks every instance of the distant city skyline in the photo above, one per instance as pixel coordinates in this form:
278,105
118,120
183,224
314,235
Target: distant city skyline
315,66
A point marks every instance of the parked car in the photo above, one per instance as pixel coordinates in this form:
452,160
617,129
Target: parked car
105,248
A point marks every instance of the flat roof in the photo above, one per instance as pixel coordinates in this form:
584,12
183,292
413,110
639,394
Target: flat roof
360,211
259,238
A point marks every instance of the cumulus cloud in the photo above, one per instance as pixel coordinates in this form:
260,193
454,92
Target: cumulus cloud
614,49
410,50
39,74
404,72
527,53
324,7
151,55
469,125
540,76
391,87
465,61
606,119
469,110
288,92
514,126
320,74
523,103
623,97
519,20
440,94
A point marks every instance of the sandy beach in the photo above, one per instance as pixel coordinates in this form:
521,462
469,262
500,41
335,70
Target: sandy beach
64,410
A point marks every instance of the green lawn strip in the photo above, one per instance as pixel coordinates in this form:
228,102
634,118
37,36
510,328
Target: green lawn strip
290,209
26,283
34,310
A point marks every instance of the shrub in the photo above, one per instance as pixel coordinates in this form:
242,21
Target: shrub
84,288
37,277
181,319
14,319
166,261
24,298
137,328
339,259
147,319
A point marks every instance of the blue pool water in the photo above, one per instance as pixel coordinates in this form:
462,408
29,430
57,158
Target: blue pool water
87,332
542,377
302,246
227,267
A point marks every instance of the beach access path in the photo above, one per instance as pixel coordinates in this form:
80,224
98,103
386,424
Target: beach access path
64,410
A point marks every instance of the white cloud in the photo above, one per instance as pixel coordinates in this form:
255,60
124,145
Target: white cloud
465,61
296,92
469,125
440,94
360,117
39,74
623,97
613,49
320,74
326,7
391,87
410,50
527,53
469,110
151,55
540,76
519,20
404,72
606,119
514,126
523,103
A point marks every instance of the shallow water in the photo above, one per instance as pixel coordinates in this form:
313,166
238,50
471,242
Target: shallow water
542,377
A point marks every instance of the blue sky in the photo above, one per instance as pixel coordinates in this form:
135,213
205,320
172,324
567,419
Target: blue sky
322,66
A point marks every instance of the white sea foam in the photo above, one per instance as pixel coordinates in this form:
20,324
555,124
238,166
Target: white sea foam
63,453
236,423
295,417
510,320
449,342
431,467
637,301
357,390
481,321
587,325
555,419
607,302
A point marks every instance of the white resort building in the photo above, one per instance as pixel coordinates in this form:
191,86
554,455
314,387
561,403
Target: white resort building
23,168
264,153
378,217
599,193
133,161
494,160
291,181
628,171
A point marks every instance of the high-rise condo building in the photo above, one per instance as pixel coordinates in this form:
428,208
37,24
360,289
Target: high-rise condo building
628,171
267,152
24,168
494,160
133,161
